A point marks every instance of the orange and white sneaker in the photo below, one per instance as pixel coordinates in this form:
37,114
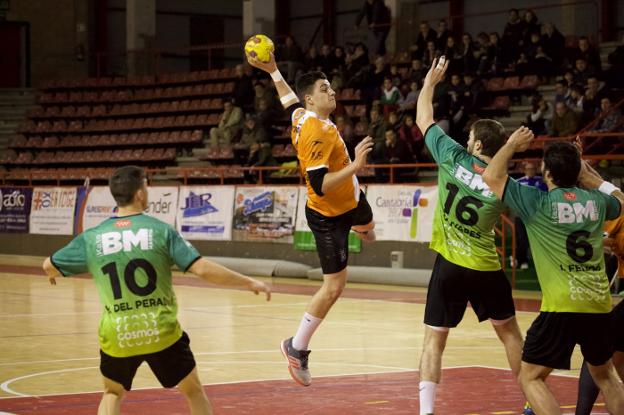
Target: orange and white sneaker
297,362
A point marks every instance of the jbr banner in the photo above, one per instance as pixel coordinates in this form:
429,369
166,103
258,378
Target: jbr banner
163,203
403,213
205,212
265,214
14,209
52,210
97,206
304,239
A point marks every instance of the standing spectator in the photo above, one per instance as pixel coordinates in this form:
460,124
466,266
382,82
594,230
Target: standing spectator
289,58
457,114
243,92
512,37
530,25
409,102
553,43
610,117
468,53
379,18
614,74
589,54
426,34
530,178
442,34
565,122
541,115
494,54
230,124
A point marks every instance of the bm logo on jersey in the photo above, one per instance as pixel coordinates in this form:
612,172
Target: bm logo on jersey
112,242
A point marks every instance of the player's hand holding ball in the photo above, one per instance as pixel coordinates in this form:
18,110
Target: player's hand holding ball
259,52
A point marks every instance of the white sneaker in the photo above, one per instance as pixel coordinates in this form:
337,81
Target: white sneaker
524,265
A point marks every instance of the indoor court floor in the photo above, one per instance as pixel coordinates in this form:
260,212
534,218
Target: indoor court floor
364,356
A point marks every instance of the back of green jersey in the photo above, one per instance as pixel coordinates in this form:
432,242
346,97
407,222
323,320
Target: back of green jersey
463,227
130,259
565,229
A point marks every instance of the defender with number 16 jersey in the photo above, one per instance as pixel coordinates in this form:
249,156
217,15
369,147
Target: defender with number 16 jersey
130,259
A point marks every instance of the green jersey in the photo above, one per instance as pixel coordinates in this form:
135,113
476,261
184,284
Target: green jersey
130,259
463,224
565,229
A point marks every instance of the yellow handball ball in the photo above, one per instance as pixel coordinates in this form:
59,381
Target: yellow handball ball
259,47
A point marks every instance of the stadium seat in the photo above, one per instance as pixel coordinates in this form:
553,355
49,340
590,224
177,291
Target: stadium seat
495,84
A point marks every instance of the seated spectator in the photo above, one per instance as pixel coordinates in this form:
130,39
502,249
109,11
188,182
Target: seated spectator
593,94
467,50
481,53
609,117
243,93
588,54
264,93
260,155
379,72
266,115
453,55
327,61
565,122
582,72
390,97
253,132
553,43
392,151
457,113
541,115
430,54
409,102
614,74
344,127
474,94
376,129
576,102
494,54
311,61
426,34
411,135
530,47
442,34
357,67
394,121
542,64
562,92
289,58
230,124
417,72
395,76
568,75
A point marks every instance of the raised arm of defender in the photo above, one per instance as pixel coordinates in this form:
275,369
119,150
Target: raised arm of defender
424,107
286,94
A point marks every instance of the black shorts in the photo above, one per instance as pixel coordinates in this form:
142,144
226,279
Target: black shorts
332,234
617,322
452,286
170,365
551,339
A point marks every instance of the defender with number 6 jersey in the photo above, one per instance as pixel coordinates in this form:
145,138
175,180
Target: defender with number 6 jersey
130,259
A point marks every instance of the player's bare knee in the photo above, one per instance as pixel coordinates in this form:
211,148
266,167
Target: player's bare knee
117,391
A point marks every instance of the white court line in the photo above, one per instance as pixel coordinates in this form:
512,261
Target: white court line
280,362
5,385
48,315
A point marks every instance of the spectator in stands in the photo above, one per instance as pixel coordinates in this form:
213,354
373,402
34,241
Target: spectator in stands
565,122
357,67
417,72
394,121
253,132
576,102
453,54
339,58
467,50
530,178
522,64
568,75
494,54
541,115
609,117
442,34
409,102
542,64
260,155
481,53
562,92
230,124
289,58
530,25
430,54
311,60
457,113
376,130
512,37
593,94
345,129
379,19
243,93
582,72
266,114
426,34
474,94
410,134
395,76
530,47
392,151
614,74
263,93
553,43
327,61
589,54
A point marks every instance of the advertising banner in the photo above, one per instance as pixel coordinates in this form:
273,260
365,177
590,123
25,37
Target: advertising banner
265,214
52,210
403,213
14,209
205,212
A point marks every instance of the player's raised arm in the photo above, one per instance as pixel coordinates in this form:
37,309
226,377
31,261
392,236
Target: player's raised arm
286,94
591,179
220,275
424,107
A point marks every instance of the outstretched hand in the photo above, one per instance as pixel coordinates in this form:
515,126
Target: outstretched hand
268,67
361,152
435,74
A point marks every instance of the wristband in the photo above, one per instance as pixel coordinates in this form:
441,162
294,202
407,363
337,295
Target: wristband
287,98
607,188
276,76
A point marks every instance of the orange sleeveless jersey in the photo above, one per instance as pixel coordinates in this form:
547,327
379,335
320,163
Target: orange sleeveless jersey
615,229
318,144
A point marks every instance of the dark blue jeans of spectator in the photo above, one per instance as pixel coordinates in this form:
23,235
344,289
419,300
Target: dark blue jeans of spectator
380,42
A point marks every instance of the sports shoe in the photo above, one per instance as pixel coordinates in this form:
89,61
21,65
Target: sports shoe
528,410
297,362
524,265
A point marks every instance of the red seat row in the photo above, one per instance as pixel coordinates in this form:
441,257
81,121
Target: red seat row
511,83
95,156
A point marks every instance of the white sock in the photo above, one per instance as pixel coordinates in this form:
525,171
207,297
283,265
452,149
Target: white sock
427,396
307,327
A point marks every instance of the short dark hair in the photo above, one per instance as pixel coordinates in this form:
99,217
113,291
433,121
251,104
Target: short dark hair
125,182
563,161
492,135
305,83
